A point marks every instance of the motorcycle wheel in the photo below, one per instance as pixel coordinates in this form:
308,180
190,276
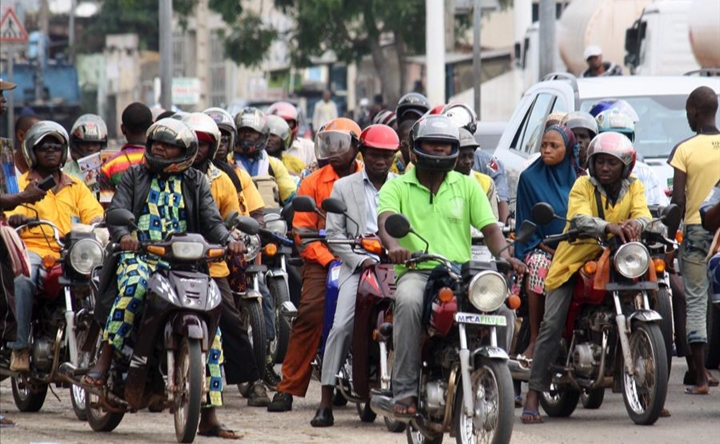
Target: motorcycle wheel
365,413
492,388
645,392
280,293
592,399
663,306
255,323
394,426
99,419
28,397
190,378
560,402
415,437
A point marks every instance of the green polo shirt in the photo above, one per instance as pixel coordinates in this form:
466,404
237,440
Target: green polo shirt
443,219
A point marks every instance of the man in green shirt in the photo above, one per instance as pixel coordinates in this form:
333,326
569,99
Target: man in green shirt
441,205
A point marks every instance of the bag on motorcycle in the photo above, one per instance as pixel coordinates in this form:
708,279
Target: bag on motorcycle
269,191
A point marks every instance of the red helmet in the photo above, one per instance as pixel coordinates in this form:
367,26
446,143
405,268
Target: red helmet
437,110
288,112
381,137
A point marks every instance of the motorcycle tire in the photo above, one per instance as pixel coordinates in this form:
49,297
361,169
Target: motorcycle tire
30,398
339,400
492,381
251,311
646,343
560,403
365,413
592,399
190,373
98,419
280,293
394,426
415,437
663,305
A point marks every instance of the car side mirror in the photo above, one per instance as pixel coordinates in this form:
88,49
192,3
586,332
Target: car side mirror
397,226
120,217
542,213
333,205
304,204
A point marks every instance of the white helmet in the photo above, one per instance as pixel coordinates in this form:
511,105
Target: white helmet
206,130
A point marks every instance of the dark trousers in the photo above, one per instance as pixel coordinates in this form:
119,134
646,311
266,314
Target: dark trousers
239,361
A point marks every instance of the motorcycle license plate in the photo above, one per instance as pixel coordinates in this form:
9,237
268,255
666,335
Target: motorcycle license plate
479,319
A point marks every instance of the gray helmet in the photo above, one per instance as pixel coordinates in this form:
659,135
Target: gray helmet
277,126
467,140
225,122
581,119
88,128
173,132
411,105
435,128
256,120
462,115
36,134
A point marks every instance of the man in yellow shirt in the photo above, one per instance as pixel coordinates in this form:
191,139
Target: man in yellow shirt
69,202
464,165
625,214
697,169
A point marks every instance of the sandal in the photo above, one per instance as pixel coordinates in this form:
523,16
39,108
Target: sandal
221,431
518,401
531,417
95,378
524,361
405,408
6,422
695,390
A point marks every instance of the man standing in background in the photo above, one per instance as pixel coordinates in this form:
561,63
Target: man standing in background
325,111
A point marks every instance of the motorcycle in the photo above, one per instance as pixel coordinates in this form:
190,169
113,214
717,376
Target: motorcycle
465,386
368,365
179,321
613,338
62,318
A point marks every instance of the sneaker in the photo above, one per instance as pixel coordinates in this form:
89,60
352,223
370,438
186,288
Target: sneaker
282,402
272,379
257,396
20,360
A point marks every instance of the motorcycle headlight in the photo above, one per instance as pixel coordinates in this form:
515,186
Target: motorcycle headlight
85,255
252,245
487,290
632,260
278,227
187,250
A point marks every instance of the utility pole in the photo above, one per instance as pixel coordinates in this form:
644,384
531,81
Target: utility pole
166,53
477,59
435,51
71,32
547,37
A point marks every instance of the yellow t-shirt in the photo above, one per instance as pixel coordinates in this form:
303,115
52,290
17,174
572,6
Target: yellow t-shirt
73,204
250,198
226,199
570,257
293,164
699,158
488,186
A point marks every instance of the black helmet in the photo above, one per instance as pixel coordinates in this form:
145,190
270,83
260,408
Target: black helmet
411,105
37,133
256,120
438,129
88,128
173,132
467,140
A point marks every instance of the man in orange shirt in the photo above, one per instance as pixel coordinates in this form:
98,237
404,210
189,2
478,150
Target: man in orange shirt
338,143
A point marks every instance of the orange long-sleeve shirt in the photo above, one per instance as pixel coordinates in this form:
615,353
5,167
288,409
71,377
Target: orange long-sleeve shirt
318,186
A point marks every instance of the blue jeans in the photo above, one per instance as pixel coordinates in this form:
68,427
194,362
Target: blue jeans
693,267
268,306
25,287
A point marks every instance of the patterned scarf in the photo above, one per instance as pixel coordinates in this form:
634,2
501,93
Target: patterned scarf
164,211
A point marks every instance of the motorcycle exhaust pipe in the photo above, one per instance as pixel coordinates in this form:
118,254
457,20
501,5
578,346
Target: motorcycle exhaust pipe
518,371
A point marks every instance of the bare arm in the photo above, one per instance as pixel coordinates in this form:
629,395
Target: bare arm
678,197
396,253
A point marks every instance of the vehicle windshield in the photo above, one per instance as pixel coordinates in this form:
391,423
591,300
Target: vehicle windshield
662,123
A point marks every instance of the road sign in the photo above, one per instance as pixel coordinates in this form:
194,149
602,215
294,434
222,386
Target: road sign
11,30
185,90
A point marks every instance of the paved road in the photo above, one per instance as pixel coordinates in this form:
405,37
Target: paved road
694,420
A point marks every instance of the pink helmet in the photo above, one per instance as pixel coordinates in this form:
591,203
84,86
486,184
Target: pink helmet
288,112
613,144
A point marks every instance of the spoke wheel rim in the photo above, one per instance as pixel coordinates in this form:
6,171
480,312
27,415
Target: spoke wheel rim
482,426
640,387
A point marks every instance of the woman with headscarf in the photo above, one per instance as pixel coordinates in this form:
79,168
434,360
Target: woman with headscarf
548,179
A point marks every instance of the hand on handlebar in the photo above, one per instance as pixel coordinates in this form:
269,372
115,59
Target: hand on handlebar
235,248
399,255
129,243
518,266
17,219
632,230
617,231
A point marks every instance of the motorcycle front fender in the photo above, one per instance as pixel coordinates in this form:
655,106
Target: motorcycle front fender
276,273
491,353
186,324
250,294
643,316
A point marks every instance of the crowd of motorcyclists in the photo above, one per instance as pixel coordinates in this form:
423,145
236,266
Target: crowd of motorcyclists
197,172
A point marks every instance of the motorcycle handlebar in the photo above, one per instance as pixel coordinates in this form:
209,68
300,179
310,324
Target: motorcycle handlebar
33,223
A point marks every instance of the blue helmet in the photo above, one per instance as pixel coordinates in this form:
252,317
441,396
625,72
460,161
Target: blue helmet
619,104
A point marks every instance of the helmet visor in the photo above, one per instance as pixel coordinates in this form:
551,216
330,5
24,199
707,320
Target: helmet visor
332,144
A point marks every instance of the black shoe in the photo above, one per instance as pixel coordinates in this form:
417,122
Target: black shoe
323,418
272,379
258,395
282,402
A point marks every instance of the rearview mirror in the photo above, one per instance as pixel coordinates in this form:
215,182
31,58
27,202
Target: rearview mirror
335,206
120,217
670,215
397,226
527,229
304,204
542,213
231,220
248,225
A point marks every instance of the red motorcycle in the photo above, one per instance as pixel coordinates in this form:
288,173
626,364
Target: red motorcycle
369,362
